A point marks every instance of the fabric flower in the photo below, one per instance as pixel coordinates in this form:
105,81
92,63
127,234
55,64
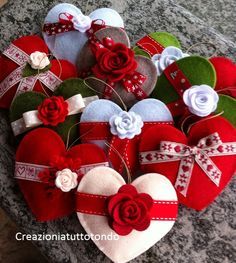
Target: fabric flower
128,210
53,110
201,100
81,23
38,60
126,124
167,57
66,180
113,61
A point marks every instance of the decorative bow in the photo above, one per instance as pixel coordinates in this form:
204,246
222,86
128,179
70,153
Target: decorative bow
187,155
48,78
30,119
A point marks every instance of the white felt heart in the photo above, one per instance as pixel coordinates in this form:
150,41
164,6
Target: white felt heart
106,181
68,45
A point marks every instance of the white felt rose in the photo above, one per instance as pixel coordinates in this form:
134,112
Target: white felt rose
201,100
167,57
38,60
126,124
82,23
66,180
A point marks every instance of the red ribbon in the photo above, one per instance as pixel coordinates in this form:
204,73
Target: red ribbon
97,205
150,45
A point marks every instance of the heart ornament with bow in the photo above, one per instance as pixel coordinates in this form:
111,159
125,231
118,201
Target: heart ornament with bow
24,66
61,112
114,70
48,173
65,25
199,165
104,121
136,215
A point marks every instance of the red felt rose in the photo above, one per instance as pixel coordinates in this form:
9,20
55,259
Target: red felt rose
53,110
114,61
129,210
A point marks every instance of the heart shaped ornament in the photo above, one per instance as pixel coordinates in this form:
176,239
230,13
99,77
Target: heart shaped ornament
48,173
104,121
199,165
155,43
113,68
69,100
24,66
65,25
226,87
138,214
179,75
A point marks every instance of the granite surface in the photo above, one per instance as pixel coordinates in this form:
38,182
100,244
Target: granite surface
207,236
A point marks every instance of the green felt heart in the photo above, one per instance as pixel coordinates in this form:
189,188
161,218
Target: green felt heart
163,38
227,104
197,69
31,100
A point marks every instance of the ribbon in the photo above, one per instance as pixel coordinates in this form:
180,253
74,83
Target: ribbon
150,45
96,205
30,119
49,79
131,82
180,83
187,155
29,171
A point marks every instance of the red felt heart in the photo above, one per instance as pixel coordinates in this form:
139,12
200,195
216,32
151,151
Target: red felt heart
29,44
201,191
225,74
41,147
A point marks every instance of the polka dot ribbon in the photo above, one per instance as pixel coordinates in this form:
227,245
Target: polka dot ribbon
187,155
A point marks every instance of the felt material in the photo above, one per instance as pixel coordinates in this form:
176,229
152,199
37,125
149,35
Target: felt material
110,16
62,45
197,69
29,71
106,181
31,100
164,38
29,44
225,75
201,191
227,104
42,146
86,58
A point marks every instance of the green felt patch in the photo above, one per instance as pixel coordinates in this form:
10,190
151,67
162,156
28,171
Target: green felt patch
31,100
163,38
197,69
227,104
29,71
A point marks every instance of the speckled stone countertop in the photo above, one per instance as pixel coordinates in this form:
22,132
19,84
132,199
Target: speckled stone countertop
207,236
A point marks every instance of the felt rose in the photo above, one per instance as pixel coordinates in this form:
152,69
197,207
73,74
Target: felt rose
38,60
81,23
66,180
201,100
126,124
114,61
53,110
167,57
129,210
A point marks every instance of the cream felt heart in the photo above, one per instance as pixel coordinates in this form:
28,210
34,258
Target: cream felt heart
100,182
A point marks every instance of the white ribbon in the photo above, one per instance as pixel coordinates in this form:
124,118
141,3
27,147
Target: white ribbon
29,120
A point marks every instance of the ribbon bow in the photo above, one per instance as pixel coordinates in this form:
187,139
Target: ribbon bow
49,79
187,155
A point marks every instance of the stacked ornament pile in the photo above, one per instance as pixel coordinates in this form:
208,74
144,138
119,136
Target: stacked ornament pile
118,134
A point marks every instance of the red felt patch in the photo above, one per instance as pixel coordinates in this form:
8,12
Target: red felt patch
201,191
225,75
42,146
29,44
